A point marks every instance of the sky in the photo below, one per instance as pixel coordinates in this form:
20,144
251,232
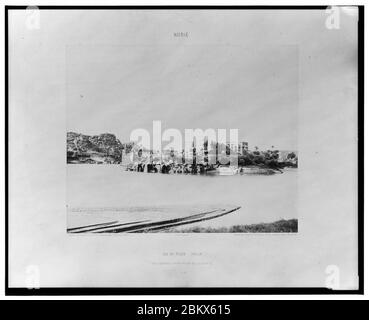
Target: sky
120,88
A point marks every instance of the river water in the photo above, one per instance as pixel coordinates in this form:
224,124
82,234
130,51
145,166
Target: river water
262,198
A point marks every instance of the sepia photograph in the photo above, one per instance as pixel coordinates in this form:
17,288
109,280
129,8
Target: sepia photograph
183,147
157,134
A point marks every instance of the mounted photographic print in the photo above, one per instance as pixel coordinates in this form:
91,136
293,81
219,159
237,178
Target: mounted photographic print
193,148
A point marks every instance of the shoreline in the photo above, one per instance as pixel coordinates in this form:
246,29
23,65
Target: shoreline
240,170
280,226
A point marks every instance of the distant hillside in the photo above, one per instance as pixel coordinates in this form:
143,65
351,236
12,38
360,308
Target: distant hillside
104,148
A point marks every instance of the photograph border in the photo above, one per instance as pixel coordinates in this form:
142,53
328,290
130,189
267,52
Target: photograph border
196,290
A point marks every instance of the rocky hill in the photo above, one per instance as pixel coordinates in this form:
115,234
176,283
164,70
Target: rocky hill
103,148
